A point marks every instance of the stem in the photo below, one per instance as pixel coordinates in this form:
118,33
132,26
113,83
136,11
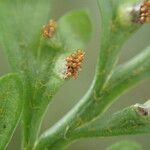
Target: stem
34,109
94,103
57,140
98,98
113,36
30,129
39,48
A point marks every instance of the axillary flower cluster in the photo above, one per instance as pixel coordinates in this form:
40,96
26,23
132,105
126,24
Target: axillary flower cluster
49,29
145,12
72,62
135,12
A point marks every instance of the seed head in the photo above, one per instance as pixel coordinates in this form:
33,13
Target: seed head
73,64
49,29
145,12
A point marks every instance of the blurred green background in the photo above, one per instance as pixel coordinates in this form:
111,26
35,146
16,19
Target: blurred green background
73,90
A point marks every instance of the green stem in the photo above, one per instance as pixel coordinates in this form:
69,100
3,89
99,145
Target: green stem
113,36
39,48
30,130
34,109
57,141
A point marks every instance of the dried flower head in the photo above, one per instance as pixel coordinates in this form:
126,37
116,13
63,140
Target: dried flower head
145,12
73,64
49,29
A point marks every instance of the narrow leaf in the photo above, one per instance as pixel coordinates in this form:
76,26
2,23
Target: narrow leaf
129,121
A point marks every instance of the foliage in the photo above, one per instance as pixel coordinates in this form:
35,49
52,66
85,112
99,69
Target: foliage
38,63
10,106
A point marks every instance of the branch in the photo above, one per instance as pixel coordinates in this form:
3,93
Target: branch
129,74
89,108
102,91
113,35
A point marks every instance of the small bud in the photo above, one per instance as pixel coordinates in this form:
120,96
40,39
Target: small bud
73,64
49,29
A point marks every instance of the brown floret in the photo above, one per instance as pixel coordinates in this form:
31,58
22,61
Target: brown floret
49,29
145,12
73,64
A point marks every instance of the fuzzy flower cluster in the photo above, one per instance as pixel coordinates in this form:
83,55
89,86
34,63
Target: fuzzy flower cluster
49,29
73,64
145,12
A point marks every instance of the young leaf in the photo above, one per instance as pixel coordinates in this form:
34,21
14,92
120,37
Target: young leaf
129,121
11,102
75,29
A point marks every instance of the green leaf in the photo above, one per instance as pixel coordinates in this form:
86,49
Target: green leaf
20,28
125,145
127,75
11,103
75,29
129,121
